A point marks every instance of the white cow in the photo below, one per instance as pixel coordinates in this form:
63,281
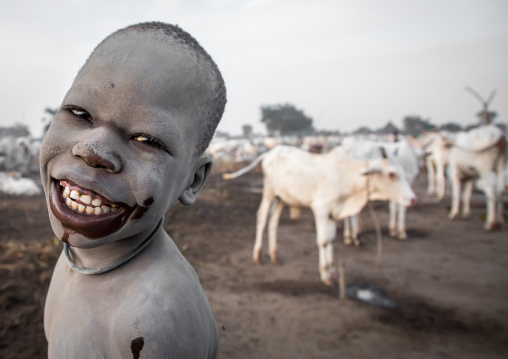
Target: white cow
332,185
479,154
409,158
13,183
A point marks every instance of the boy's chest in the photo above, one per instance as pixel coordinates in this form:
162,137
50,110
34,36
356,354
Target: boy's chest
82,321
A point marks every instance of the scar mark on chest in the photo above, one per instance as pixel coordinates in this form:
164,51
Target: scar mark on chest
136,346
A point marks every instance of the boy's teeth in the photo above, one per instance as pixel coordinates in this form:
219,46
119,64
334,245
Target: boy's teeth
85,198
74,194
96,206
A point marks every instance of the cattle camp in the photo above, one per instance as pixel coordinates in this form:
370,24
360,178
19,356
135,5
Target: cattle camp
252,179
312,246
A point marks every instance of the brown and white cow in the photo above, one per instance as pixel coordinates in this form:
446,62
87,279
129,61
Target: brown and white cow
333,185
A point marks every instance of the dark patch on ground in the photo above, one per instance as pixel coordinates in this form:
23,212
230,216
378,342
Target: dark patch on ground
295,288
418,314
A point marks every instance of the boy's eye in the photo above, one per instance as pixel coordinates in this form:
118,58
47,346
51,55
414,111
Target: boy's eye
150,141
79,112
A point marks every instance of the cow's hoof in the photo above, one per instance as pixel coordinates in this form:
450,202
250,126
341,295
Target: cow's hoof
276,262
257,260
357,243
393,234
327,282
402,237
348,241
493,226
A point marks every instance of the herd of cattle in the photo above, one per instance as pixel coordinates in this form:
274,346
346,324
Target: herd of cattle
19,156
336,184
336,177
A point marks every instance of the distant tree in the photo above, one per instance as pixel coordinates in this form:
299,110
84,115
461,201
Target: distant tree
18,130
247,131
450,126
325,132
415,125
285,120
362,131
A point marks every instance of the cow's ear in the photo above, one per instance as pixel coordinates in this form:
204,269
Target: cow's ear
202,170
383,152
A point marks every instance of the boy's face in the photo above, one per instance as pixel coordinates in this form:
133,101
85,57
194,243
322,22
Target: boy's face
120,149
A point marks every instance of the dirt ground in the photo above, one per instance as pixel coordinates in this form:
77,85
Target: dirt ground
449,280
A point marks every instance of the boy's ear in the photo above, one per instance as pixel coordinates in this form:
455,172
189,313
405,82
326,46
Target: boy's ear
204,166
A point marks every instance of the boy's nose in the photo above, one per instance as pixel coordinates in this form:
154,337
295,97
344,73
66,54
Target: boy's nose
98,157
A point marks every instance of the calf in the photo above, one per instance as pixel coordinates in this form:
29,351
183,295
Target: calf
479,154
332,185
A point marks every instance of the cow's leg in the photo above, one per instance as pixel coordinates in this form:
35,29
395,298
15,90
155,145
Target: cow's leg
466,198
262,214
440,180
347,231
455,182
332,232
322,233
490,198
500,183
392,206
431,177
294,213
355,229
402,222
272,229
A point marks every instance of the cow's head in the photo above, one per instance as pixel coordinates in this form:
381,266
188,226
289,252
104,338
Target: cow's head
386,181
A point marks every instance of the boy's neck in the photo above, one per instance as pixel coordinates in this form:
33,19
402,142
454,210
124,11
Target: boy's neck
109,256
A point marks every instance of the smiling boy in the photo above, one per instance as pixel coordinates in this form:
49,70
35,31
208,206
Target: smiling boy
125,145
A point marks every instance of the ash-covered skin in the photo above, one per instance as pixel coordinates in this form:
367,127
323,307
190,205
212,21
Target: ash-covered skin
101,140
128,152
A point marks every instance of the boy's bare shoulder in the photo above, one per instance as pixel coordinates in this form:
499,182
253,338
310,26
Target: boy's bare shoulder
167,310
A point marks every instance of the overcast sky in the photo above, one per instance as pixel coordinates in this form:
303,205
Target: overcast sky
346,64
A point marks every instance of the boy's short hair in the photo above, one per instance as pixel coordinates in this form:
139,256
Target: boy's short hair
212,111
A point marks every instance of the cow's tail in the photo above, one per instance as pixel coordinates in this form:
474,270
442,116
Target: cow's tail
245,169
